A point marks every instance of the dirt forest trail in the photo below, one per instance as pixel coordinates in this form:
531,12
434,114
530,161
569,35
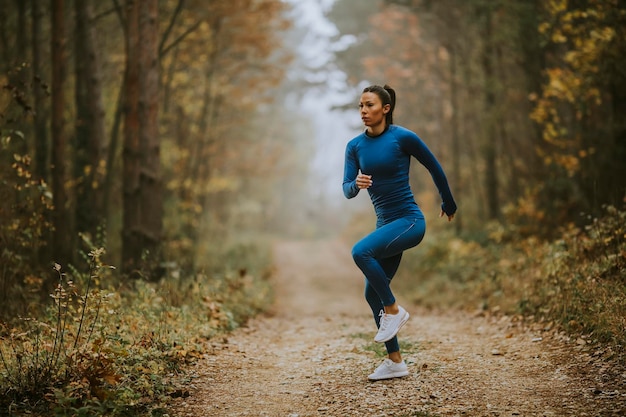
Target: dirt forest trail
310,356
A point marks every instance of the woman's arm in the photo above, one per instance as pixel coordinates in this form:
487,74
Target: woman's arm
413,145
350,172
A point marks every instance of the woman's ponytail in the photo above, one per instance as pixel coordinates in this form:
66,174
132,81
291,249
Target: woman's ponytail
392,102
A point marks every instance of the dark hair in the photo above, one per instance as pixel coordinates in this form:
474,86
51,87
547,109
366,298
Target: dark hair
387,95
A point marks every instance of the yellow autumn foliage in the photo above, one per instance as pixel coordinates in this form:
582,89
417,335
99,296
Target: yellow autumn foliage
572,89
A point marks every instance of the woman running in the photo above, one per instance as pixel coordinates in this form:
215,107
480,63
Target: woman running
378,160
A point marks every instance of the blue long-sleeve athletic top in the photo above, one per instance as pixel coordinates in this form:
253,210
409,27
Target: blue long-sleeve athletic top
387,158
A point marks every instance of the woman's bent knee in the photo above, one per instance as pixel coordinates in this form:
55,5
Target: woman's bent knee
359,253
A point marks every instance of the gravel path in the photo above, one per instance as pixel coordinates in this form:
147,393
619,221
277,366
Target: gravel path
310,356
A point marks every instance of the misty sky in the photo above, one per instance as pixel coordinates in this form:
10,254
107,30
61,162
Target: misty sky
333,129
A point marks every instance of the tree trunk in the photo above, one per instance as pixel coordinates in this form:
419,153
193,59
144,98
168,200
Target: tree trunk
12,36
90,130
150,183
454,126
111,167
41,139
5,49
509,150
490,143
534,65
131,248
21,41
61,219
142,170
42,147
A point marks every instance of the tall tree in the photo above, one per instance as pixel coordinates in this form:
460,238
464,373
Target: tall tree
90,124
143,202
42,146
61,216
490,142
454,125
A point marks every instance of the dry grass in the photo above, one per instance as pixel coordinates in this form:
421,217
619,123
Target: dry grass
578,282
98,350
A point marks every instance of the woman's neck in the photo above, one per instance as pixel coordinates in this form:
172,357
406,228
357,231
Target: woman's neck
376,130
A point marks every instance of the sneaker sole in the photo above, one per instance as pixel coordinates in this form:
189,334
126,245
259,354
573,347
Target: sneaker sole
389,376
404,320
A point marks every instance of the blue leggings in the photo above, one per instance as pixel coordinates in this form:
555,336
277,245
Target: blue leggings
378,255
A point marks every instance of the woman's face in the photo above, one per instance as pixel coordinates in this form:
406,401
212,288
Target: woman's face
372,110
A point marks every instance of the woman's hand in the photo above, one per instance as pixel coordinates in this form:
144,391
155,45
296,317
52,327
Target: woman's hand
450,216
363,181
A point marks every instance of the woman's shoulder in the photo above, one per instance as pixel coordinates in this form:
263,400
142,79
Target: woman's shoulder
355,140
401,130
402,134
407,139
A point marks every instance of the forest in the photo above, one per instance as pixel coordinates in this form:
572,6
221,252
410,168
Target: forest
152,152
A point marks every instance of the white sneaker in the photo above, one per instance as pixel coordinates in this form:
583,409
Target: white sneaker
390,325
389,369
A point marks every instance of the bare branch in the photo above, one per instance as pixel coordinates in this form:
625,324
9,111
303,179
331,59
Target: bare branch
103,14
180,38
120,13
168,31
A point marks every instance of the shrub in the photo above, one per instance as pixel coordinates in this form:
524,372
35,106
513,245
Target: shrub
583,281
577,281
121,352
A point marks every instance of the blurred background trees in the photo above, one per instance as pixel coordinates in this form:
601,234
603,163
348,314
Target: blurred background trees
160,129
139,126
521,99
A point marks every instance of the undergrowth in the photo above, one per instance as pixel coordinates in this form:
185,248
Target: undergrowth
577,282
119,349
